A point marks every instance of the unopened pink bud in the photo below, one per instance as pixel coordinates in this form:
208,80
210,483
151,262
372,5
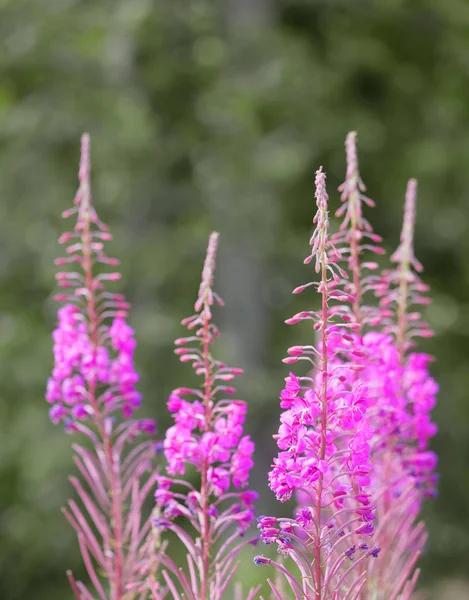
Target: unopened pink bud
113,262
426,333
65,237
179,351
298,289
187,320
183,390
69,212
295,351
290,360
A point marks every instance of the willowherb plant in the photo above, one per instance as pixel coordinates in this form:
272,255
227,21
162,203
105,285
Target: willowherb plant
208,436
324,445
92,390
401,390
406,396
353,441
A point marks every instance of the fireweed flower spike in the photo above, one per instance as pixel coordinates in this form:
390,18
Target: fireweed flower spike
92,391
414,395
386,334
384,364
207,435
323,445
406,466
356,236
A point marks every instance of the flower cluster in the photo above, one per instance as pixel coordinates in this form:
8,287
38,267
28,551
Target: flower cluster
93,391
208,435
77,362
401,397
354,434
223,447
344,465
353,441
324,436
402,391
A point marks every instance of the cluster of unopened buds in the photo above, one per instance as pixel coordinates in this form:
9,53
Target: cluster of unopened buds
353,440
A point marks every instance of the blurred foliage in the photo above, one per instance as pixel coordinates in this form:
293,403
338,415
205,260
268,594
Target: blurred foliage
210,115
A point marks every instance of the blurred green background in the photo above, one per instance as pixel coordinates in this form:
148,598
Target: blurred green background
214,115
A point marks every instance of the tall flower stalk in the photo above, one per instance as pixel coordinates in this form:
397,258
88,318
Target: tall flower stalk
323,444
407,465
402,393
92,391
207,435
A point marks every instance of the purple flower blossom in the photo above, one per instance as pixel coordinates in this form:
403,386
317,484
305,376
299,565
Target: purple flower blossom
92,390
79,363
207,434
324,435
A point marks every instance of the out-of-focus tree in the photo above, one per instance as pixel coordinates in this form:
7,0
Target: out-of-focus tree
211,115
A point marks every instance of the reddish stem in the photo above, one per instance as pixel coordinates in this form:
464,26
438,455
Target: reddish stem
355,259
324,384
204,491
117,576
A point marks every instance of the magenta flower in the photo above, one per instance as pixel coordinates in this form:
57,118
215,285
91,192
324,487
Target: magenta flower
406,395
76,361
207,435
93,391
401,391
324,441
